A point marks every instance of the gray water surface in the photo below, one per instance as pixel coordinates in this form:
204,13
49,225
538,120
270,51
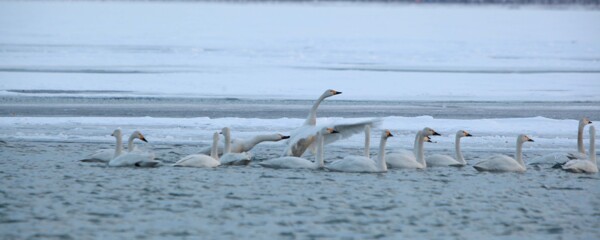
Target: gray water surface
46,193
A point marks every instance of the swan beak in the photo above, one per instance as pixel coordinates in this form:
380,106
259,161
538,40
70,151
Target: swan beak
530,140
285,137
590,122
436,133
337,93
143,139
334,131
469,135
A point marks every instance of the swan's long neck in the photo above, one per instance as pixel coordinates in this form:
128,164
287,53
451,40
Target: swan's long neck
420,152
580,146
381,157
368,141
459,156
320,151
520,151
130,143
416,144
593,146
214,153
261,138
119,147
227,142
312,115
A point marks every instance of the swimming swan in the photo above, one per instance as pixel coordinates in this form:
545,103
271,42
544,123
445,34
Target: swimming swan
415,158
105,155
588,165
230,158
301,163
503,163
439,160
202,160
363,164
562,157
245,145
132,158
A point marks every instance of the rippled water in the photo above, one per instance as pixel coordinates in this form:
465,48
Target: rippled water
48,194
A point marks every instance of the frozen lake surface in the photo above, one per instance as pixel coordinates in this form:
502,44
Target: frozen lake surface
71,72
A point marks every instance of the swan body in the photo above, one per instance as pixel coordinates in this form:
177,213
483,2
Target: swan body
439,160
236,158
134,159
411,159
363,164
197,160
245,145
230,158
292,162
588,165
503,163
289,162
562,157
105,155
202,160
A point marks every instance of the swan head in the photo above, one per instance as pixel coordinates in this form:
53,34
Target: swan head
386,133
524,138
463,133
281,137
225,131
139,135
116,133
329,131
331,92
429,132
585,121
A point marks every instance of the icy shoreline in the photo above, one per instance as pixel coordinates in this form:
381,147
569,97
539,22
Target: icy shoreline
495,134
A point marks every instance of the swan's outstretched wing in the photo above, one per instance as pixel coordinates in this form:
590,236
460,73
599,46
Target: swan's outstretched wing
348,129
303,138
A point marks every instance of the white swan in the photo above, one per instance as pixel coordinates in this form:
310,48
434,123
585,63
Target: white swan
363,164
105,155
202,160
415,158
503,163
311,120
132,158
230,158
439,160
562,157
585,166
136,134
245,145
301,163
296,146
